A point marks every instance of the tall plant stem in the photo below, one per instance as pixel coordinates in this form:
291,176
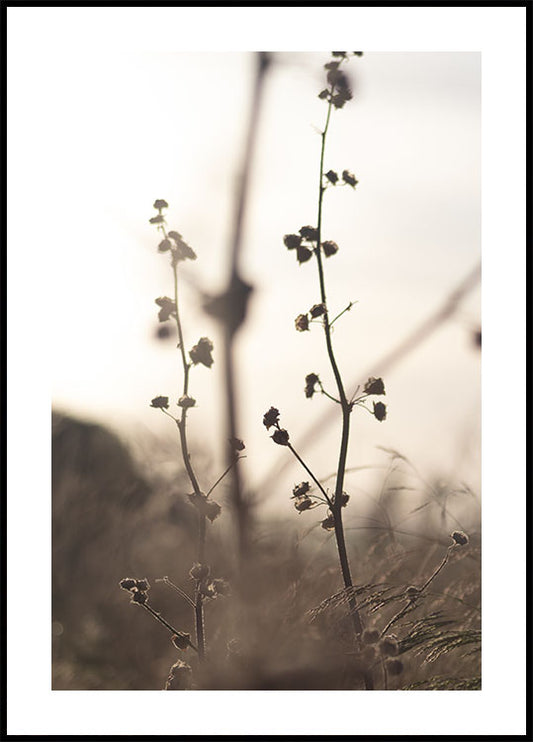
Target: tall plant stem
346,408
182,428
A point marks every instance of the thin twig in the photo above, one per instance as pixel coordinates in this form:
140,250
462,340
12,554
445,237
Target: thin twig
411,601
166,624
221,477
183,594
308,470
346,309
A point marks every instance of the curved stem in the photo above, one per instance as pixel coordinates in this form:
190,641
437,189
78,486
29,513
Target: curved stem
308,470
159,617
346,407
182,428
177,589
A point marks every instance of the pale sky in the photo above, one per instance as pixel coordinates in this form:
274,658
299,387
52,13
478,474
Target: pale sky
118,130
111,108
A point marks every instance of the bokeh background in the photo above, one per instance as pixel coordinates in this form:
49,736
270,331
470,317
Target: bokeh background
173,127
136,127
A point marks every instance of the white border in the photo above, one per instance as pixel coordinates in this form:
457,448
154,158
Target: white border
499,33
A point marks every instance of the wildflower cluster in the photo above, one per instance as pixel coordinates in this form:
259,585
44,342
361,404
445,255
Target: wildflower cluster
302,320
372,387
332,179
207,509
137,588
306,243
338,91
172,241
271,420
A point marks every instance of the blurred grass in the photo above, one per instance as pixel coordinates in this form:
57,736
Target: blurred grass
116,516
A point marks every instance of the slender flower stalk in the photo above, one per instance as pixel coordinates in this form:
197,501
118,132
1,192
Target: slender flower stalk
200,354
182,428
306,244
413,593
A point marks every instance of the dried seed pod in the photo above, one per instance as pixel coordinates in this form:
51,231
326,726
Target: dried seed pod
292,241
301,489
139,597
127,583
374,386
302,322
181,641
281,437
271,418
460,538
142,585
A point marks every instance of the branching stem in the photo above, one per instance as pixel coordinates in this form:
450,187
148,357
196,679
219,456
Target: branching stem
159,617
345,405
182,428
411,601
